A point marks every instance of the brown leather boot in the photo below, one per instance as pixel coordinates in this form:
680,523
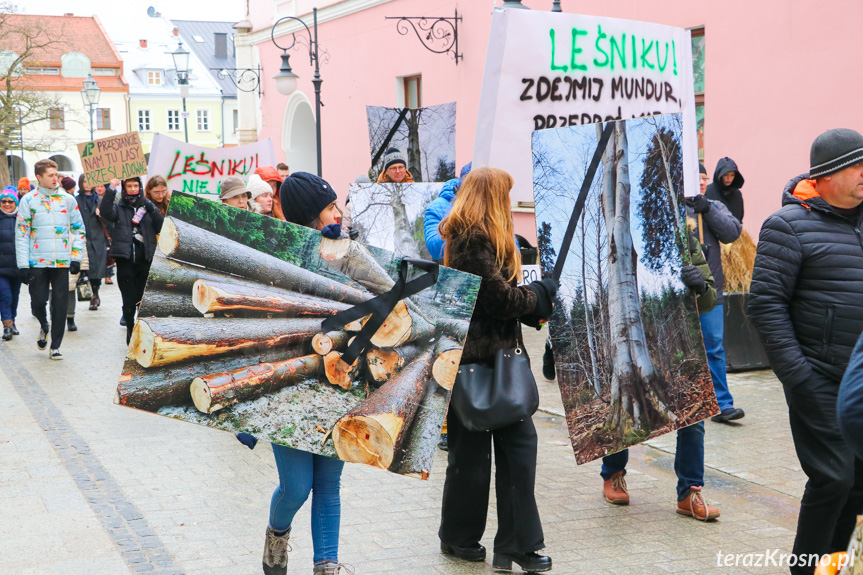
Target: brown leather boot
614,489
696,507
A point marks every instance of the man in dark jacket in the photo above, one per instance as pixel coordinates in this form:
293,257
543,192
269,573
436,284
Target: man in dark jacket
714,224
806,301
727,181
850,404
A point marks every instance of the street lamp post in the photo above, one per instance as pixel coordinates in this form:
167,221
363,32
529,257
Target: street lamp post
181,65
286,80
90,96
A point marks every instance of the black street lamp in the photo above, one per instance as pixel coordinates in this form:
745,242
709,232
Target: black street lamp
286,80
181,65
90,96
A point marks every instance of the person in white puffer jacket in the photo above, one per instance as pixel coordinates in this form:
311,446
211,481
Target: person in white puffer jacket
49,243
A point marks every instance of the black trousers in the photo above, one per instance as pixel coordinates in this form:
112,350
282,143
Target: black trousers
834,493
57,279
468,479
131,279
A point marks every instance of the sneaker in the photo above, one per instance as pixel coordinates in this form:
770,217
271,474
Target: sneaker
614,489
443,444
55,354
728,414
276,550
333,569
42,342
70,324
548,363
123,320
109,281
696,507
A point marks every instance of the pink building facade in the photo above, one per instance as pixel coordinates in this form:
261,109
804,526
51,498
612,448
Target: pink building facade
776,74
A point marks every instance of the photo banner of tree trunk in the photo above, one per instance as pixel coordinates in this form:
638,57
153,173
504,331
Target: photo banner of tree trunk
423,137
247,321
627,339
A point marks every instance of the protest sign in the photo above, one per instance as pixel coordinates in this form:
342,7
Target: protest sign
550,70
200,171
234,333
117,157
627,341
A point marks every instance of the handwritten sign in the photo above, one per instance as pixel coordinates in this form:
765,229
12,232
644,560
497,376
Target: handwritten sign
198,170
552,70
530,273
118,157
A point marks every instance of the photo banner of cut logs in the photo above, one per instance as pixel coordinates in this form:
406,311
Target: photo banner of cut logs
627,341
424,136
230,336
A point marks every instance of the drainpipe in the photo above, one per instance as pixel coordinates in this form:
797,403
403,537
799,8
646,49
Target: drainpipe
222,92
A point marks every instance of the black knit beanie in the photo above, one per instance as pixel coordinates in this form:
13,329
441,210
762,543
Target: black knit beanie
304,196
393,157
701,168
835,150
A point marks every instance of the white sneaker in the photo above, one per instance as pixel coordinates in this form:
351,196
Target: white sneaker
55,354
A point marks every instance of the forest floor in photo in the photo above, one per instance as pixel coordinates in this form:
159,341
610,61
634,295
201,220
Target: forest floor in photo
111,490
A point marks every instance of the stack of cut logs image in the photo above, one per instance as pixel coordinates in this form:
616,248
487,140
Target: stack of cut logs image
222,323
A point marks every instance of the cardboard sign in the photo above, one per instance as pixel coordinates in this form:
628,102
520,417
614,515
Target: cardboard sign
200,171
532,273
627,341
552,70
117,157
235,333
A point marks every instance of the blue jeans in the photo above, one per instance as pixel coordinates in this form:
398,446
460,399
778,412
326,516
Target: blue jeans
301,473
9,289
712,328
688,461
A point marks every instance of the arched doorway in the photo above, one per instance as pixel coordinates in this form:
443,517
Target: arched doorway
298,135
64,164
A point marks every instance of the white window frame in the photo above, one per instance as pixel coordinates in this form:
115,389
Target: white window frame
179,126
154,77
149,113
202,114
96,118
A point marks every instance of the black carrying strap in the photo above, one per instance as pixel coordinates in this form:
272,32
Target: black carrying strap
582,197
380,307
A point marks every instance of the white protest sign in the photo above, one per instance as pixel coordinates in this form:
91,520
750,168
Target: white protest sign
551,70
198,170
532,273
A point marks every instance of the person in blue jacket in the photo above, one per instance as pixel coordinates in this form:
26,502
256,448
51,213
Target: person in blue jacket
438,210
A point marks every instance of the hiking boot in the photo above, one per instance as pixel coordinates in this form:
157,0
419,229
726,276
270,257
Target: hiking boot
473,552
7,329
95,302
696,507
728,414
70,324
333,569
548,363
15,329
614,489
42,342
443,443
55,354
529,562
276,549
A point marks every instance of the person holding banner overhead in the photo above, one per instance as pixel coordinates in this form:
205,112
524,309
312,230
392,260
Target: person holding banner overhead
136,221
478,235
311,202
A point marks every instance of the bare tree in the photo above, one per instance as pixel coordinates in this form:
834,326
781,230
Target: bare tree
22,41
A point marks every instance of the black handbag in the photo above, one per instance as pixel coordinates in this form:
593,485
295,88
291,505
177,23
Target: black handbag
488,397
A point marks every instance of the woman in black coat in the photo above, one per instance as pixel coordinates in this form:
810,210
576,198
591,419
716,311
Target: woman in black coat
136,221
97,241
479,240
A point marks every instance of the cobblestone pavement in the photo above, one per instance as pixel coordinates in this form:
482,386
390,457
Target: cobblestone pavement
90,488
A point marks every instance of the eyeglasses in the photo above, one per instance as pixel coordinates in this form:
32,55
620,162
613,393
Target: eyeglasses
7,202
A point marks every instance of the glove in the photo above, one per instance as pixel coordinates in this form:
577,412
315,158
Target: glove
74,268
700,204
545,291
354,234
332,231
692,278
24,275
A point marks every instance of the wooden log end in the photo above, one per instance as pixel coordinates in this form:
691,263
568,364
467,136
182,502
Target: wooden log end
382,363
143,343
338,372
334,250
396,327
169,237
201,296
445,368
201,396
322,344
368,439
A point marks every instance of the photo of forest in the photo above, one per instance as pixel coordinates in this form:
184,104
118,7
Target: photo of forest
425,136
628,348
391,216
230,335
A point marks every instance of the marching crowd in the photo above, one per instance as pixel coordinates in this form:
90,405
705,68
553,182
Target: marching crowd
806,301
